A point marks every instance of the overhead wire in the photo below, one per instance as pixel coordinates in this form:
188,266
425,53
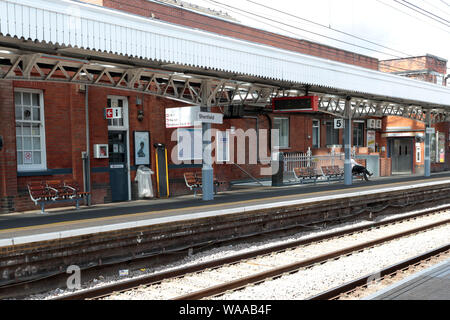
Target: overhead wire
300,46
239,11
422,12
339,31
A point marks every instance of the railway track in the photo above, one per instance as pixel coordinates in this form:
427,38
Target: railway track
356,287
142,282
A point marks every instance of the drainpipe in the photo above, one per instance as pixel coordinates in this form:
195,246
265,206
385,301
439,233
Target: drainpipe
86,155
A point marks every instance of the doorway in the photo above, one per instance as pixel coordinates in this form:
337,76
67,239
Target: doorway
119,153
118,168
402,156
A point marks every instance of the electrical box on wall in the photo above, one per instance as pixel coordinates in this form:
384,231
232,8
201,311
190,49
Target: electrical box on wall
101,151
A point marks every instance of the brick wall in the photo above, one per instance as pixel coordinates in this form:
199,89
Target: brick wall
422,68
8,177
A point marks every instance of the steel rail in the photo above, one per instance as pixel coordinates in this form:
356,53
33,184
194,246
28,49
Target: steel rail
348,287
293,267
103,291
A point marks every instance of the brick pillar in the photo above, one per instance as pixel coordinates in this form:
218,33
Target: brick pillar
8,161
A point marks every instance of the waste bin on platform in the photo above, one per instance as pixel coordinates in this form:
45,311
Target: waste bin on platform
144,180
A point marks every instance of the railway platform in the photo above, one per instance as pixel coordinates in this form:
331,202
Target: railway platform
35,246
32,226
430,284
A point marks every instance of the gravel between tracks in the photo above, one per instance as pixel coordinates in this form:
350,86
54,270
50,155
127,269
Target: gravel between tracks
201,281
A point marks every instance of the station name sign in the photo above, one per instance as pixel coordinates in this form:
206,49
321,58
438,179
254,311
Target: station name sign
295,104
208,117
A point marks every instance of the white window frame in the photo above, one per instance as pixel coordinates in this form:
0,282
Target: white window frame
43,165
318,132
219,136
194,145
288,133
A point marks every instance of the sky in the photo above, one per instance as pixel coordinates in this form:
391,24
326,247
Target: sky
394,28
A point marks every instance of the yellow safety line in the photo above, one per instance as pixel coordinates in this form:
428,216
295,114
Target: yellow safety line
167,175
157,171
181,209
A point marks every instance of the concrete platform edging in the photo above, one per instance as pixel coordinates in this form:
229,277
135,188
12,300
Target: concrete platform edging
201,215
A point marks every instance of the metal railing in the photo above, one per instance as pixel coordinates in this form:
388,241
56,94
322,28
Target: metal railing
304,160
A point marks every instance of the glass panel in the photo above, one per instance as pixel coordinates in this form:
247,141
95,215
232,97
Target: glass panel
36,100
18,130
120,103
27,143
26,99
26,129
19,113
36,143
26,113
19,143
36,114
18,98
19,157
36,130
37,157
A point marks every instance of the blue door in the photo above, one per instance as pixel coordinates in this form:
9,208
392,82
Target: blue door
118,171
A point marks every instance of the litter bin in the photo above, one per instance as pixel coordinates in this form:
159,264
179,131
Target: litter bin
144,180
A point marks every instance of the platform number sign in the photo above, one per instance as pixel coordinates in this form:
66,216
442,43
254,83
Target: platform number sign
339,124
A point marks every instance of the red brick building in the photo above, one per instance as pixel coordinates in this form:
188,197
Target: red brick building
400,131
44,124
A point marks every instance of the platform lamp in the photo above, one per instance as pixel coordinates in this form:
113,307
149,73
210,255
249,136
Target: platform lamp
140,115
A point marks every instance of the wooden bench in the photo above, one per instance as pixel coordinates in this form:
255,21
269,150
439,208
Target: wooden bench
306,174
54,191
194,182
335,172
332,172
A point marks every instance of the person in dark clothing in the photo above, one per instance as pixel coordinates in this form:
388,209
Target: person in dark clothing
359,169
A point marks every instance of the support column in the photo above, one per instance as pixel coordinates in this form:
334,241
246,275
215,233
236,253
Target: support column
348,180
427,145
207,169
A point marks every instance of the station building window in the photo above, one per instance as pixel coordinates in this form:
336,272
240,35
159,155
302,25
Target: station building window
189,144
282,124
223,146
358,133
332,134
30,130
316,134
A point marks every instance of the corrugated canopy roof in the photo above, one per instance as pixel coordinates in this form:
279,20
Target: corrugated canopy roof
73,24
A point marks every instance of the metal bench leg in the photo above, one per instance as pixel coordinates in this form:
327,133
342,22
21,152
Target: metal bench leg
42,208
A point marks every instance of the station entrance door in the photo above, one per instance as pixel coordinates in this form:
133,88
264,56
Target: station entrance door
402,154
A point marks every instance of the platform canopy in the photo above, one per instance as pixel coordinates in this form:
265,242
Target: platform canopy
63,40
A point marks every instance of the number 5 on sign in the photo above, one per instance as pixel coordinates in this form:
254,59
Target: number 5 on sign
339,123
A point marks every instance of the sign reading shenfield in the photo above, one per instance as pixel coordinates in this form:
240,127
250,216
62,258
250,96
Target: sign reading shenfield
208,117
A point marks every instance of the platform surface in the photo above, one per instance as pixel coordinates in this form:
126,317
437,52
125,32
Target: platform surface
101,218
430,284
